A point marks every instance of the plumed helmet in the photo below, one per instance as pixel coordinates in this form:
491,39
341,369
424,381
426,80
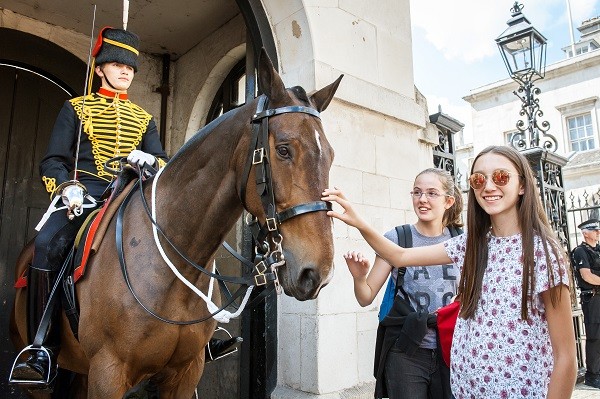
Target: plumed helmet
116,45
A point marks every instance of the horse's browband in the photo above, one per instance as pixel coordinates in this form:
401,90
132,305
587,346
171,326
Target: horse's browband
285,110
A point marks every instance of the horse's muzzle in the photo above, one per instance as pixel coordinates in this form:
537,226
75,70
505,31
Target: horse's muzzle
306,285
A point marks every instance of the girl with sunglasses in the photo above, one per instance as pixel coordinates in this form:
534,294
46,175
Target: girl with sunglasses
417,373
514,336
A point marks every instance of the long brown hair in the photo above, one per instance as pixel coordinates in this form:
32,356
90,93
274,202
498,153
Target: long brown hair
532,221
452,215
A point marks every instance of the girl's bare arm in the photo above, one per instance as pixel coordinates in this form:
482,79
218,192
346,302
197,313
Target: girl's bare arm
562,339
392,253
367,283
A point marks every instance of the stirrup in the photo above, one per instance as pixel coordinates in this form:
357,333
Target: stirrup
226,353
48,377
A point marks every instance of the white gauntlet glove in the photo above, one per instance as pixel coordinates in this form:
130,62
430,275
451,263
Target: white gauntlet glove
72,197
141,158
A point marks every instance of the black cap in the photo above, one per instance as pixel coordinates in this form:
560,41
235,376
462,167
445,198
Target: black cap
116,45
591,224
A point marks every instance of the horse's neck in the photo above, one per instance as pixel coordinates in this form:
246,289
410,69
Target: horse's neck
197,199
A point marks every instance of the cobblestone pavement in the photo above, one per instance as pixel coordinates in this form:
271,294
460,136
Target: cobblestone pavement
584,392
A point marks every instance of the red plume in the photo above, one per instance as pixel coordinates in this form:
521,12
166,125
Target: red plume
99,41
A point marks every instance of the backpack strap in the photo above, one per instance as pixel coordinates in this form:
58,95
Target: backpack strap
405,241
455,231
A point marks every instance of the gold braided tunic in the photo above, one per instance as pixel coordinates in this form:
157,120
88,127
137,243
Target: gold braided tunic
112,126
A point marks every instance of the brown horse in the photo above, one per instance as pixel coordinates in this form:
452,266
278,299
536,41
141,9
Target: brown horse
200,195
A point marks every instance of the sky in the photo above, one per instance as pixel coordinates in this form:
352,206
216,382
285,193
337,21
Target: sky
454,48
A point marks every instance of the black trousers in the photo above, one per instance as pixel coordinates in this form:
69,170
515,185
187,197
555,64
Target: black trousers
590,305
55,239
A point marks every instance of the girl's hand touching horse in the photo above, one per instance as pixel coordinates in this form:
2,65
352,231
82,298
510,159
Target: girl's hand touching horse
349,216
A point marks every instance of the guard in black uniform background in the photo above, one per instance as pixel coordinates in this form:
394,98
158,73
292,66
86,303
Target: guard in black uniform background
586,260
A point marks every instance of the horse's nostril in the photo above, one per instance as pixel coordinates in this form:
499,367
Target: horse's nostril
308,282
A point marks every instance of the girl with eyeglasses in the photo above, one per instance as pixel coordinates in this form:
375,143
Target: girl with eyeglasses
514,336
418,373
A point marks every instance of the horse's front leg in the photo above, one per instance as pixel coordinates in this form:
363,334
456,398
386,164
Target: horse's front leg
107,378
180,384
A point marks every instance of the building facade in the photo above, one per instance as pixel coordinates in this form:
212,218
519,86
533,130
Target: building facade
570,104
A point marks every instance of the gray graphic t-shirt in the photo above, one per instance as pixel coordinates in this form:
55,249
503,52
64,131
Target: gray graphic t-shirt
428,287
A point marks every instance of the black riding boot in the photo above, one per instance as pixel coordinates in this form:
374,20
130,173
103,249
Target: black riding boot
217,348
35,368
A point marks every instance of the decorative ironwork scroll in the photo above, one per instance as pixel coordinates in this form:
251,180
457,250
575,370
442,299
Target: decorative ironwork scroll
443,153
529,127
548,169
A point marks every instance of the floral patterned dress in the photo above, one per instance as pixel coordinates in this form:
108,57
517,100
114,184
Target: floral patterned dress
496,354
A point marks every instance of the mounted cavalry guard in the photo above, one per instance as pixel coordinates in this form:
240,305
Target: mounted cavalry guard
586,261
88,131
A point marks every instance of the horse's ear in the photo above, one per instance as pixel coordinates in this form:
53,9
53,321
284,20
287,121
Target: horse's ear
323,97
269,80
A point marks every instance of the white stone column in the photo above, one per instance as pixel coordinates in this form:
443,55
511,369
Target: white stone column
377,126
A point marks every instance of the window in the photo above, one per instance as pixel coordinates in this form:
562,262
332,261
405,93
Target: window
581,132
231,94
579,124
508,137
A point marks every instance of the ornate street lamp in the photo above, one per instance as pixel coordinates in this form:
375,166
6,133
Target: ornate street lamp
523,50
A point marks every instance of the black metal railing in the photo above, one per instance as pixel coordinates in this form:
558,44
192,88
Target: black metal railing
581,207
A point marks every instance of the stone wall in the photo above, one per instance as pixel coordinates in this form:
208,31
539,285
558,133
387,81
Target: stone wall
379,130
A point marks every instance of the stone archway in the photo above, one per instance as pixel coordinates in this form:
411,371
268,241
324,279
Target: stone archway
210,87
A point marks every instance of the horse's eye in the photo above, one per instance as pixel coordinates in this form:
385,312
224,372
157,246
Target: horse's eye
283,151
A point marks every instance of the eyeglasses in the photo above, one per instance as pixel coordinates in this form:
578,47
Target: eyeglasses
500,177
416,194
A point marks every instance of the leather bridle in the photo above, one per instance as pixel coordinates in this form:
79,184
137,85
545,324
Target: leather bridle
266,259
259,157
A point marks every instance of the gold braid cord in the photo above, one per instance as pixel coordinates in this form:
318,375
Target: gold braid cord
50,183
114,127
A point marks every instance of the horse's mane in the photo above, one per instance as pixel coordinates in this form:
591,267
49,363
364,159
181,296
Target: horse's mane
201,134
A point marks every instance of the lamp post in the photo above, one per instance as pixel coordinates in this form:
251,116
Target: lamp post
523,49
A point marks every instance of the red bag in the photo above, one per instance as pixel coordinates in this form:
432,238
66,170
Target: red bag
446,321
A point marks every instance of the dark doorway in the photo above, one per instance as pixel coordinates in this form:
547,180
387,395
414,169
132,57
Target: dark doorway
30,104
31,96
21,204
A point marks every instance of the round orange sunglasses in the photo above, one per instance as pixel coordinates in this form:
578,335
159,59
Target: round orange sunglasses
500,177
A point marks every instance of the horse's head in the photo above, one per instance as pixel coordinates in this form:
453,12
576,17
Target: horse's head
300,158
